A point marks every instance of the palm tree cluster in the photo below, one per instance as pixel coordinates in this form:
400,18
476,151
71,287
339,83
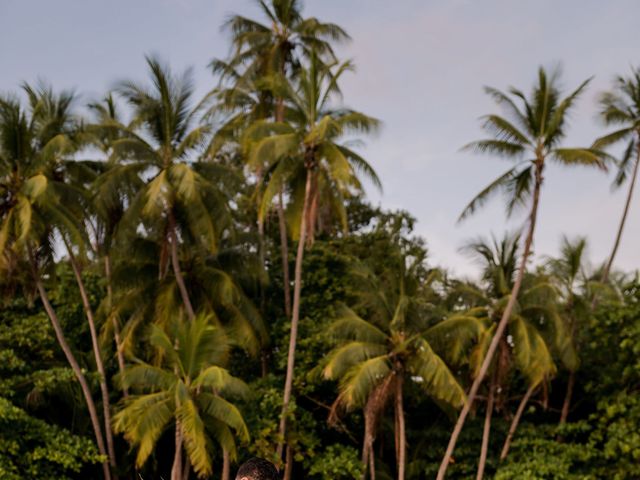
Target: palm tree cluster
186,210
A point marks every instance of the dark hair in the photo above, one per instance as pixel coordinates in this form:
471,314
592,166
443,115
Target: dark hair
257,469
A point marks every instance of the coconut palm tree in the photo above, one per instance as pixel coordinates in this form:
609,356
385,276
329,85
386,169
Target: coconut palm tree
621,107
108,205
189,388
264,55
534,329
569,274
35,206
530,135
382,349
309,146
180,198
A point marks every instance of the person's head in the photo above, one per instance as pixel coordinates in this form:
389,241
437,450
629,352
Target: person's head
257,469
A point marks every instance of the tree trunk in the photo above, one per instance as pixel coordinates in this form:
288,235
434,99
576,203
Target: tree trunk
487,426
186,470
114,321
282,224
566,405
176,469
288,464
284,253
86,392
104,388
516,421
372,463
295,317
501,325
401,448
175,262
226,466
368,459
634,175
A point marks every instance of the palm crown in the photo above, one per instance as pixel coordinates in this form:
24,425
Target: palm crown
188,387
529,133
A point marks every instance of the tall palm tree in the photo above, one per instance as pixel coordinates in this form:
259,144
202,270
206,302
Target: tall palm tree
179,199
268,54
568,273
530,135
378,352
621,107
189,387
108,205
534,329
309,146
35,205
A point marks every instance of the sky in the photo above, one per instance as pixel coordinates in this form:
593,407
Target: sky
420,68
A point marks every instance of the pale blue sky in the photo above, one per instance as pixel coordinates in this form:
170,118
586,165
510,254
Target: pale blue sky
421,66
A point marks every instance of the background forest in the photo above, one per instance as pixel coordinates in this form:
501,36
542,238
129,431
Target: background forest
187,282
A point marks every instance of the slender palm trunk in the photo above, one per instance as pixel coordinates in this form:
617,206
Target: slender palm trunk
487,426
114,320
175,262
86,392
284,253
372,462
368,459
501,325
288,464
566,405
104,388
226,465
516,421
295,317
625,212
282,224
401,447
176,469
186,470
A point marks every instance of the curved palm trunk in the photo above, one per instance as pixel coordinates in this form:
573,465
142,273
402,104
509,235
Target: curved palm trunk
175,263
487,427
516,421
226,466
502,325
86,392
566,405
295,317
104,388
401,448
116,326
634,175
176,469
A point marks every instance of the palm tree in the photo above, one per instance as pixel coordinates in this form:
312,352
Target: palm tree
530,135
108,205
622,107
534,329
268,54
188,387
384,348
308,146
34,207
179,200
568,273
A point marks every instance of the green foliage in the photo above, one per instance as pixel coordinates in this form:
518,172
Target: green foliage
336,462
31,448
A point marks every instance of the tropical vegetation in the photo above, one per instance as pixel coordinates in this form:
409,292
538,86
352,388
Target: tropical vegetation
188,282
